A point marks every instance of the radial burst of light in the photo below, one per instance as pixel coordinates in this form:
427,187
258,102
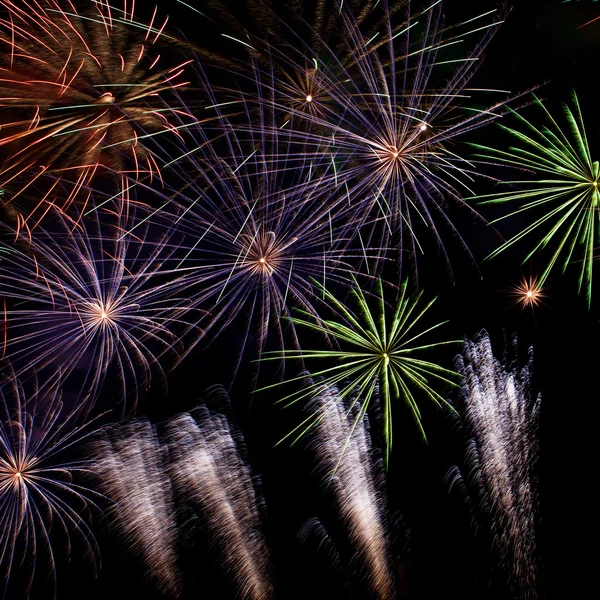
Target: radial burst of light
353,477
89,302
131,466
307,90
256,230
376,351
501,418
558,199
528,293
211,477
39,493
81,90
392,113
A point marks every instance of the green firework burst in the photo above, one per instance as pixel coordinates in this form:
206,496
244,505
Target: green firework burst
375,351
562,197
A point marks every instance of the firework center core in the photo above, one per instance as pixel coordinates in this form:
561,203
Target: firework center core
107,98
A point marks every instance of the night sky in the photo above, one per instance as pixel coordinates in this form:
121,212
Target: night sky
541,45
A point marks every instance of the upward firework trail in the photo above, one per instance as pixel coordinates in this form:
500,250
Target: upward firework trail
343,447
210,475
501,416
130,463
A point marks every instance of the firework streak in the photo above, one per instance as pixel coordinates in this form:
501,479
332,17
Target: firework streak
206,475
210,476
501,417
130,463
354,481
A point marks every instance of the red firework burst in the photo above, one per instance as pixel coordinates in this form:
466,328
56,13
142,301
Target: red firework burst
82,92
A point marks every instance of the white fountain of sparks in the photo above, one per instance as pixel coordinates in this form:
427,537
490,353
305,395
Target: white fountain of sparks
209,473
354,478
131,467
501,417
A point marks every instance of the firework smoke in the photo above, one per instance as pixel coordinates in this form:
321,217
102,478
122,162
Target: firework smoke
130,463
501,417
354,478
209,473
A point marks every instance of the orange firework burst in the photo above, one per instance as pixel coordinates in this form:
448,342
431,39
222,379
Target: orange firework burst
81,91
528,292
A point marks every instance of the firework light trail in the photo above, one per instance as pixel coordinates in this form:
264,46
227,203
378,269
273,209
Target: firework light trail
501,418
198,467
211,477
131,466
39,493
354,476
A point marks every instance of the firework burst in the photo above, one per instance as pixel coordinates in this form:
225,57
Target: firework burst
376,354
561,198
90,302
256,230
528,293
38,489
385,112
81,91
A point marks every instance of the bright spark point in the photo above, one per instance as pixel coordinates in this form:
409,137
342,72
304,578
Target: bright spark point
309,98
262,260
423,127
528,292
